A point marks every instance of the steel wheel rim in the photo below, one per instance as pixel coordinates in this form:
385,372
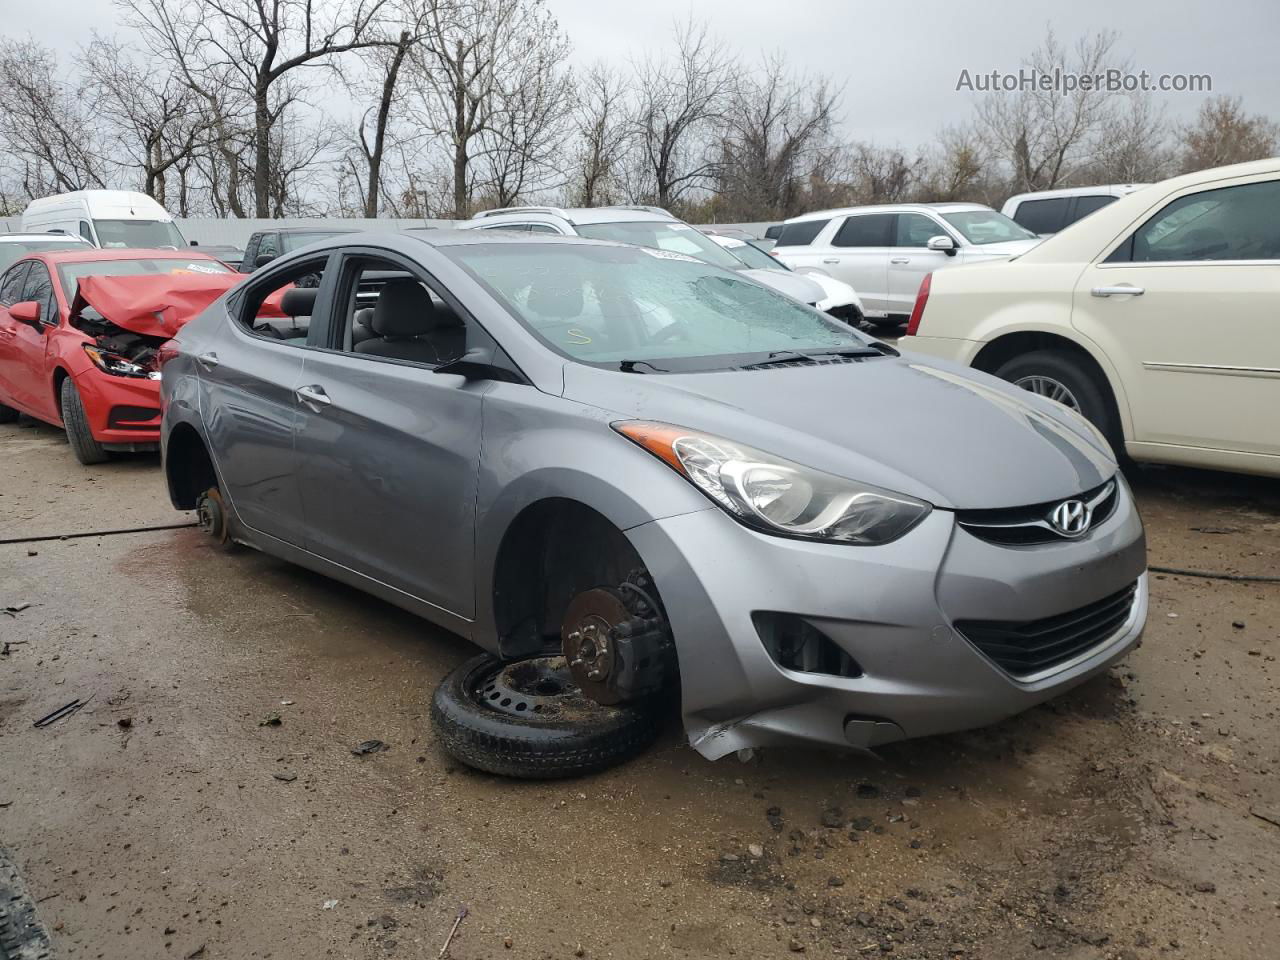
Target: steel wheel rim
1049,388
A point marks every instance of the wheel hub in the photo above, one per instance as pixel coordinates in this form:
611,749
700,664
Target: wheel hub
539,685
588,638
1044,386
211,515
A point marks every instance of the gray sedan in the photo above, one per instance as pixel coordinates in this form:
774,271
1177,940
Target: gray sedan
633,477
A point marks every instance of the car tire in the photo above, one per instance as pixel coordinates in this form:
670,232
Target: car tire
7,414
1091,397
573,742
87,450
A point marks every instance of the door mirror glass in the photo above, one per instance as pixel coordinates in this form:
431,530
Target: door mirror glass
28,311
262,259
944,244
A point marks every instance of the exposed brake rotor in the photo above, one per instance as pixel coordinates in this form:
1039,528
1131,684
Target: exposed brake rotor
211,514
588,638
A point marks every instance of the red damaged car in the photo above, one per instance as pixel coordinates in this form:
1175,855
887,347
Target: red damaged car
79,334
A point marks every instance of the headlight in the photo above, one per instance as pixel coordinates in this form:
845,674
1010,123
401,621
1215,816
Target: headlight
117,365
777,495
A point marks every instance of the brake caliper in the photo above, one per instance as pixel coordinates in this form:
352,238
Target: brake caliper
617,641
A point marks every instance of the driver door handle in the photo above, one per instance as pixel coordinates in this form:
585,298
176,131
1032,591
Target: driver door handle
1121,290
899,259
313,394
207,360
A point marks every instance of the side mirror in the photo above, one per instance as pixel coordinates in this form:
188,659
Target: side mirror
262,259
28,311
943,244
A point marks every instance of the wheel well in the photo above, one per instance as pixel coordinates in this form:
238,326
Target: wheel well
998,352
554,549
188,467
59,374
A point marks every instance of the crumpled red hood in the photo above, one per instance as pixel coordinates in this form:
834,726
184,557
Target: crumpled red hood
159,305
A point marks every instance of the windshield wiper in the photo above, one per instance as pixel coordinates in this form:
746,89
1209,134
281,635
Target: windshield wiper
629,366
813,356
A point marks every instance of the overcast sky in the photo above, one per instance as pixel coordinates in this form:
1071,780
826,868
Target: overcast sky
898,61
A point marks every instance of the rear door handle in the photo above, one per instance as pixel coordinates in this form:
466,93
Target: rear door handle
900,260
207,360
1120,290
313,394
830,259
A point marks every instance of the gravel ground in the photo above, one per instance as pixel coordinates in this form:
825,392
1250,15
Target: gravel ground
1138,817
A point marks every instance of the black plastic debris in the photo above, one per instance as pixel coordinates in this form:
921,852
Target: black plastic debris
62,712
369,746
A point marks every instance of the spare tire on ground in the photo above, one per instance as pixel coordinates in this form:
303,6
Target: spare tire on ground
528,719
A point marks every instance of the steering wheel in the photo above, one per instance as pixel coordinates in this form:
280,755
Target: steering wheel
672,329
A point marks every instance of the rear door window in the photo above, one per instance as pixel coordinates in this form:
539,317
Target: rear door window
1230,223
1043,216
800,234
867,230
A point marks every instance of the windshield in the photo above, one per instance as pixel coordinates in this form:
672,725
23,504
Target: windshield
986,226
72,272
141,234
12,250
606,304
663,235
292,241
755,258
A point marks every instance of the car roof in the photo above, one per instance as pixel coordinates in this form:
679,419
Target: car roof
315,229
578,215
51,237
940,208
1108,190
95,254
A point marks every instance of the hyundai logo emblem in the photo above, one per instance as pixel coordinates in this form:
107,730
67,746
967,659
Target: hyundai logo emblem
1071,518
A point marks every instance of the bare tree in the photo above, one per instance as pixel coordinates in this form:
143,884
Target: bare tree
1131,144
680,99
51,128
1223,133
374,134
773,125
251,47
604,131
1043,135
883,174
956,168
156,120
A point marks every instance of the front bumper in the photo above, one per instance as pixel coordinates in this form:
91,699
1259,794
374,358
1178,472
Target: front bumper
123,412
891,608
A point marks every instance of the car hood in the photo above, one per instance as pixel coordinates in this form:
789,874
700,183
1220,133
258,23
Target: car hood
793,285
954,437
1010,248
158,305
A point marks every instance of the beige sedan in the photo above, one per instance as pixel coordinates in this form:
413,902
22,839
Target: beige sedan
1157,318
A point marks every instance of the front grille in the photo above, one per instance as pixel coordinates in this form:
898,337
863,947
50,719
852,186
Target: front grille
1026,648
1025,525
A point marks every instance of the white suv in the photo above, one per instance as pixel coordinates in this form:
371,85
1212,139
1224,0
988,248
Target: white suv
1157,317
884,252
644,227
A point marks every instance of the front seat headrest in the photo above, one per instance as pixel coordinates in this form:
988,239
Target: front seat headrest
404,309
299,302
562,301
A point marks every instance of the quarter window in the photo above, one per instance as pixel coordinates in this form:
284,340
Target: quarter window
11,285
1230,223
39,288
868,230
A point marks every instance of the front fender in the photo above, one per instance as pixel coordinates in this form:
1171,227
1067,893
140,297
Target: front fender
538,447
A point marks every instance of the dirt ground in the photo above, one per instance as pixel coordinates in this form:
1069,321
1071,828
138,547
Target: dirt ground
1138,817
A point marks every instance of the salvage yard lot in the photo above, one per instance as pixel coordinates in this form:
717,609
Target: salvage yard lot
1137,817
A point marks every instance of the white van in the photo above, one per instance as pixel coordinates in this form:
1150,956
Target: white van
106,218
